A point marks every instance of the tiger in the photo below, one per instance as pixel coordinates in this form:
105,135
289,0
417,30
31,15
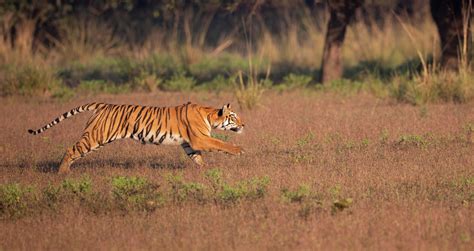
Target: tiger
188,125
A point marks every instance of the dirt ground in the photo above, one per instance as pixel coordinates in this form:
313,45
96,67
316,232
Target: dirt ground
408,170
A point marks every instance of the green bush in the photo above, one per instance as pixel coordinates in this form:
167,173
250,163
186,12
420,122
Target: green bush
434,86
294,81
300,194
135,193
101,86
217,84
148,82
52,195
179,82
225,193
223,137
182,191
413,140
15,199
29,80
80,188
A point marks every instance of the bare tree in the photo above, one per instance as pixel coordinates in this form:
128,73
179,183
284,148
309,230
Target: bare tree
341,13
453,20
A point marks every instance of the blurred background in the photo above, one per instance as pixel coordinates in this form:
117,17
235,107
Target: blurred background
414,51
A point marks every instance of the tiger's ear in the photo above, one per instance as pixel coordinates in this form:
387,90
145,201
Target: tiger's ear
225,109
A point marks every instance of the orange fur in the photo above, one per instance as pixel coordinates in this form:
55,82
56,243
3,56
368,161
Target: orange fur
189,125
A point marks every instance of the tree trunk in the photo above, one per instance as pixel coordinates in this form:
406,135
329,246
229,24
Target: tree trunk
452,19
341,13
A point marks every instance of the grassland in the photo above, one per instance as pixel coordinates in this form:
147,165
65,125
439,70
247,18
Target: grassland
321,171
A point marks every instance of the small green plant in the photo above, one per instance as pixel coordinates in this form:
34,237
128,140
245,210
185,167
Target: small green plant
14,199
365,143
294,81
217,84
81,187
29,80
145,81
308,201
182,191
248,189
179,82
413,140
257,187
249,90
223,137
335,191
469,130
101,86
231,194
383,136
300,194
51,195
225,193
306,139
214,176
432,86
135,193
340,204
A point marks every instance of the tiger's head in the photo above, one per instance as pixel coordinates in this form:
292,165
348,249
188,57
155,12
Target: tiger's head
226,119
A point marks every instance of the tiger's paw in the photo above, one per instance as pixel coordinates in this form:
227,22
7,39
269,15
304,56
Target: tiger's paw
238,150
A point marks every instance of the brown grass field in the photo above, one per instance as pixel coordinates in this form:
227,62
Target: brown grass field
409,171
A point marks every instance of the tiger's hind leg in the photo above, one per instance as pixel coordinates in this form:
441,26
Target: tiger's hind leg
194,155
77,151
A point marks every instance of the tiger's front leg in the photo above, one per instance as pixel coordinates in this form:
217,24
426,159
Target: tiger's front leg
212,144
194,155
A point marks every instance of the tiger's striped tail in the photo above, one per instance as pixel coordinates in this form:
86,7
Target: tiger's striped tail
79,109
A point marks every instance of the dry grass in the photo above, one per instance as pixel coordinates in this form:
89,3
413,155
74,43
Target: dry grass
408,170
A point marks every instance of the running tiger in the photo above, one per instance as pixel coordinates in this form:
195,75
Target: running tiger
188,125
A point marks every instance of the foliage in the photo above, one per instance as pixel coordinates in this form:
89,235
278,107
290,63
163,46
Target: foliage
249,91
29,80
80,188
182,191
228,194
136,193
413,140
294,81
179,82
14,199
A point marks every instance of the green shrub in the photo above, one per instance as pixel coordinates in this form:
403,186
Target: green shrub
225,193
226,63
135,193
248,189
217,84
434,86
148,82
51,195
15,199
29,80
294,81
179,82
214,176
80,188
249,90
101,86
413,140
182,191
300,194
223,137
307,201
